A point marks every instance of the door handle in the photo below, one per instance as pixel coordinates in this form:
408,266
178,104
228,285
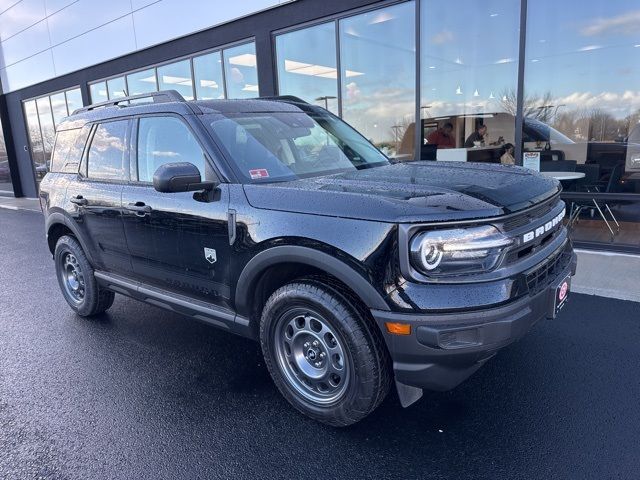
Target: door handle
139,208
79,200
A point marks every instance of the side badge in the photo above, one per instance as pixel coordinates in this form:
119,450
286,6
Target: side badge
210,254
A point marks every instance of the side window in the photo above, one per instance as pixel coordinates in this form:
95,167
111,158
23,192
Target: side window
165,140
107,154
64,141
68,149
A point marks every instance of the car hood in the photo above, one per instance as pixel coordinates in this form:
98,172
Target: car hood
409,192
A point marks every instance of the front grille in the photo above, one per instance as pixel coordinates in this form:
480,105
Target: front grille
541,276
530,216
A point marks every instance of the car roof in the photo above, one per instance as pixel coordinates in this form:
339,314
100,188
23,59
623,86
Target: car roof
106,111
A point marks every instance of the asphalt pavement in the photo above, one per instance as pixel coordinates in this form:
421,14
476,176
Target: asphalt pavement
144,393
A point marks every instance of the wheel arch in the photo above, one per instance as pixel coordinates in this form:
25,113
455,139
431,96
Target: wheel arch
295,260
58,225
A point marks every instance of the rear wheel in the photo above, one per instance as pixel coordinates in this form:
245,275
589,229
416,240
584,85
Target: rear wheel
77,282
326,359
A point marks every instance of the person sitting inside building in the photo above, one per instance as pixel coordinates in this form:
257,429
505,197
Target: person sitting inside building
476,139
506,155
442,137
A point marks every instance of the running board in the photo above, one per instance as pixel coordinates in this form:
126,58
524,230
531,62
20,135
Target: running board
182,304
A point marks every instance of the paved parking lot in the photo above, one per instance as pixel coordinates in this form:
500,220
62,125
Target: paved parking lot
144,393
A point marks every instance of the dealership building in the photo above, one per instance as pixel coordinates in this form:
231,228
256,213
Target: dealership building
560,84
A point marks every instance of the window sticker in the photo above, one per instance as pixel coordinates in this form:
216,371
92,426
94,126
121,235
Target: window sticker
258,173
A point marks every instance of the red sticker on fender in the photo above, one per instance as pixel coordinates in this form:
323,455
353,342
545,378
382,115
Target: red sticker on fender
258,173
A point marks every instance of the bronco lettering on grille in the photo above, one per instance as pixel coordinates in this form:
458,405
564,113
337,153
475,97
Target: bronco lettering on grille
542,229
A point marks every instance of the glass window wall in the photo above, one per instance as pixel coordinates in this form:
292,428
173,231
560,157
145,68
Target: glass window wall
142,82
241,71
207,70
42,115
98,92
177,76
378,77
582,111
307,65
5,175
469,70
116,87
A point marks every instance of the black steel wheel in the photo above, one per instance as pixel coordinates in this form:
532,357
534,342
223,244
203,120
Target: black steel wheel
77,282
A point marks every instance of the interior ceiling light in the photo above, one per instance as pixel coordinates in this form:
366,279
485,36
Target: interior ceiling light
476,93
209,83
382,17
588,48
316,70
176,80
458,90
149,79
244,60
250,88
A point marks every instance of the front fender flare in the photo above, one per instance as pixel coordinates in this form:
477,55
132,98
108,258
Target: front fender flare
306,256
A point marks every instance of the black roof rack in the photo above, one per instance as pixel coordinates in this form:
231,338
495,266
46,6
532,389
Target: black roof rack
157,97
284,98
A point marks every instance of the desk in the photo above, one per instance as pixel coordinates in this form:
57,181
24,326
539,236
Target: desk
564,175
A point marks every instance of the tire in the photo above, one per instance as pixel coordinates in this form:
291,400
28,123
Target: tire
77,282
301,321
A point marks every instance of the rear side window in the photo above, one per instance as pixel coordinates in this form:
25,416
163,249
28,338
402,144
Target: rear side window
165,140
67,152
107,157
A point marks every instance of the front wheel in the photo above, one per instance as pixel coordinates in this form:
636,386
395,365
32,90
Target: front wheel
326,359
77,282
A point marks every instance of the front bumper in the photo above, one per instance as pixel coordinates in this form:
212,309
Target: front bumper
444,349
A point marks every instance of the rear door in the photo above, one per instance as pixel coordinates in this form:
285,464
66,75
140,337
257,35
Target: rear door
177,241
94,197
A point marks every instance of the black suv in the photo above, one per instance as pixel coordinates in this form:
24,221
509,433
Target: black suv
273,219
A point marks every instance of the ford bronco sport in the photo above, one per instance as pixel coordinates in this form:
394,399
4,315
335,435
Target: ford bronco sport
273,219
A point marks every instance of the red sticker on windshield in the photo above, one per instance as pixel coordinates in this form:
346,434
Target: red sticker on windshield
258,173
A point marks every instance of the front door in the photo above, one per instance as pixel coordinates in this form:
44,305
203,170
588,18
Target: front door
176,241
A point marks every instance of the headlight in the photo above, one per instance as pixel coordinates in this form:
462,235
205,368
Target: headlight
459,251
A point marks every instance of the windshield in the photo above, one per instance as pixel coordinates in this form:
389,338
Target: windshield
536,131
279,146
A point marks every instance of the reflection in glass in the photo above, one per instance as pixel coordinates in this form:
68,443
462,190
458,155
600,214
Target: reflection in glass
58,107
307,66
163,140
106,158
35,136
377,53
468,80
582,109
74,100
241,71
177,76
208,72
142,82
5,175
48,134
116,88
98,92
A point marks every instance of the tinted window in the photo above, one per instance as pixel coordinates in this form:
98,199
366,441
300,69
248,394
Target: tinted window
165,140
107,152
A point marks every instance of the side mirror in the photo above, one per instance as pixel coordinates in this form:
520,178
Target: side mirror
179,177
